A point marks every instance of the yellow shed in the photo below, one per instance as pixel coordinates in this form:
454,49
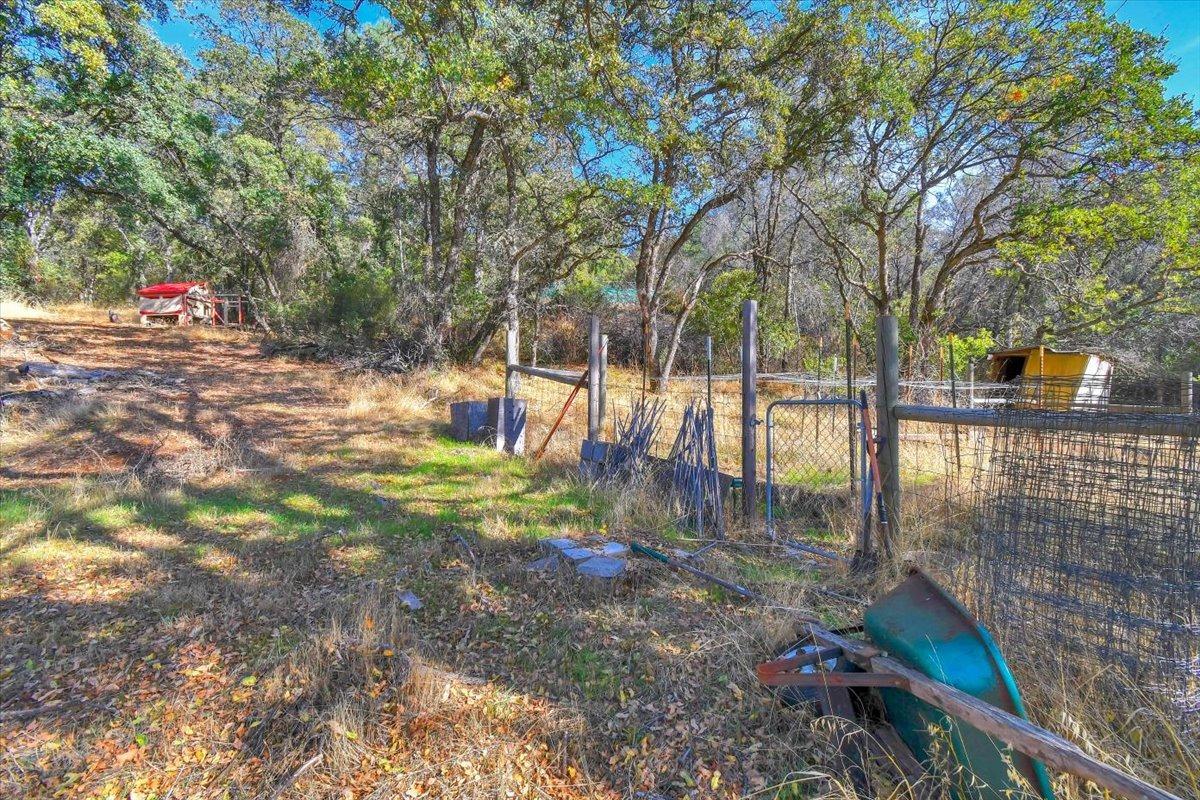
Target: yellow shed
1052,379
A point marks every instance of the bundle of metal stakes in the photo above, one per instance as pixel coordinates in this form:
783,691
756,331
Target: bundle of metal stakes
695,479
635,438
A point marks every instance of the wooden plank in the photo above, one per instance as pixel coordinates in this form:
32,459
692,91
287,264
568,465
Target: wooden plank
1022,735
557,375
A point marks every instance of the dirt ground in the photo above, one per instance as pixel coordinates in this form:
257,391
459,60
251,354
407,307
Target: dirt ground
204,564
202,567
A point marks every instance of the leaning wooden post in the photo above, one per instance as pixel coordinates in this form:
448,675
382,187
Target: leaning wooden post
593,422
887,392
603,381
512,358
749,408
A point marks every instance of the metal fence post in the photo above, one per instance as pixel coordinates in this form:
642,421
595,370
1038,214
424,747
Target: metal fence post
887,392
512,357
749,408
603,381
593,417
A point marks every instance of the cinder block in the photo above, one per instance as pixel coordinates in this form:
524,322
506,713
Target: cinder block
468,421
602,567
506,423
578,554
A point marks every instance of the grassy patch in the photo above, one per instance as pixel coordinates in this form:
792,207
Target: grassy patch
17,509
595,675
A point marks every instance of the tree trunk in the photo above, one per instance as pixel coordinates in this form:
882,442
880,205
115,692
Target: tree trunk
673,349
537,331
914,280
649,339
885,298
33,231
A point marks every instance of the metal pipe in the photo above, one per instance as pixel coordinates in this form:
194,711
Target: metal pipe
603,381
1183,425
593,386
770,514
699,573
749,408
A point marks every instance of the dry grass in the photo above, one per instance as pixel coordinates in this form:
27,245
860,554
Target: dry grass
226,622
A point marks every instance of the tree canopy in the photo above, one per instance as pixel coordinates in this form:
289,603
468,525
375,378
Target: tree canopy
416,177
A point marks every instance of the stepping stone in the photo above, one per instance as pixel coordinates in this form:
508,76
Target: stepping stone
602,567
558,545
614,549
546,564
578,554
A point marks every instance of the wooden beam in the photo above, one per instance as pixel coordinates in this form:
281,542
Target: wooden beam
557,375
1020,734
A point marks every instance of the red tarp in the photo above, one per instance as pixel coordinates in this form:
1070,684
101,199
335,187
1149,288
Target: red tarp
168,289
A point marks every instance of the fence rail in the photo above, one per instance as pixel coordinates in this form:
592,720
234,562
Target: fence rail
1113,422
557,375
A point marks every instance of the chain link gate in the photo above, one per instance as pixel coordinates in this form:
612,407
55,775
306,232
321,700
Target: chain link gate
817,473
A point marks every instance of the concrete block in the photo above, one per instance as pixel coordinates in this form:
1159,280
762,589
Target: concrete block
558,545
613,549
468,420
578,554
596,452
506,423
602,567
544,564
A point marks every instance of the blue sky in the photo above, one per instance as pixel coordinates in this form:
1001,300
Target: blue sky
1178,21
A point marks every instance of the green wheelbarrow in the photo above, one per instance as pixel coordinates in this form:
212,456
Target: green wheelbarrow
928,679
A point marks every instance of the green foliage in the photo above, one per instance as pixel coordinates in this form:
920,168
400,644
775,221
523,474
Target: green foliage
588,286
420,178
971,348
719,314
357,304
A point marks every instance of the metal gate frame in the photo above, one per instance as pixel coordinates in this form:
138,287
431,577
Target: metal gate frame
855,408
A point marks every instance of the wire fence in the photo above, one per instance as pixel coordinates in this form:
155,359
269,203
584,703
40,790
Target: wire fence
1089,537
1069,530
816,463
546,400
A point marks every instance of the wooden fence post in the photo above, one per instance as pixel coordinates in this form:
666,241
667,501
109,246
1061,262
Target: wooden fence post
887,393
750,408
1185,393
593,383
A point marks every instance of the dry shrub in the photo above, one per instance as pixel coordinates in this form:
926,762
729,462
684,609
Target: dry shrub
12,308
71,409
1109,717
200,461
423,394
327,696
